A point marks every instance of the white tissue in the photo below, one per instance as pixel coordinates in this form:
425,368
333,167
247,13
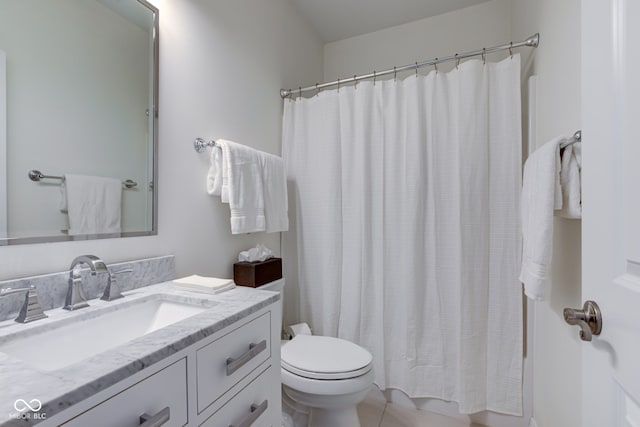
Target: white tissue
259,253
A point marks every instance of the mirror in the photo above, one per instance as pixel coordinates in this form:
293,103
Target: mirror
78,96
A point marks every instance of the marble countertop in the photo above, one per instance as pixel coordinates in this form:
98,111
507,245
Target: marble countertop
62,388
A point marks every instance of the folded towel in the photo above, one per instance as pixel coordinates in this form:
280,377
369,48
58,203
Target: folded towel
541,194
208,285
274,183
570,181
242,187
94,204
214,176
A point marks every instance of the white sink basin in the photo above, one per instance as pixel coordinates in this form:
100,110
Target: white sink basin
102,329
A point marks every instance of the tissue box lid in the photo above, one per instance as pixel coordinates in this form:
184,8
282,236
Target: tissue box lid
254,274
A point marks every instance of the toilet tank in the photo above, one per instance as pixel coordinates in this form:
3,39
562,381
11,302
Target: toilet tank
276,286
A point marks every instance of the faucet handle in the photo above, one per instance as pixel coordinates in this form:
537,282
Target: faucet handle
112,291
31,309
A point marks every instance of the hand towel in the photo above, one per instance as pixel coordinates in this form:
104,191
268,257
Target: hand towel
62,203
93,203
214,176
208,285
541,195
571,181
274,183
242,187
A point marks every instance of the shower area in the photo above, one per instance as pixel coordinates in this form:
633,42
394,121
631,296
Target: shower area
404,188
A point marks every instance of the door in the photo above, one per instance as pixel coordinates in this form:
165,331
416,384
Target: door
611,210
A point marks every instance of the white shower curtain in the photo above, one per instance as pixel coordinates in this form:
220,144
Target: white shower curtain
407,221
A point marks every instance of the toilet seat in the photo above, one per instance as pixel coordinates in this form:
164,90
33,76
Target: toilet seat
325,358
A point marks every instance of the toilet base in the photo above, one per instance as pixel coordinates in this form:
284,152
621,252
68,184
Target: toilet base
346,417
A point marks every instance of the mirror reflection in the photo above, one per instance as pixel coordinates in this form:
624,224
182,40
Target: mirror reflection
78,86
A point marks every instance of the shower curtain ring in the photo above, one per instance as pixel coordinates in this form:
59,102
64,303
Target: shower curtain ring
394,73
299,92
511,49
435,65
374,77
317,90
416,69
338,84
355,81
484,56
457,61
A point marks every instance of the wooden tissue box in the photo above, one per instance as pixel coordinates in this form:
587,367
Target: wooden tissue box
254,274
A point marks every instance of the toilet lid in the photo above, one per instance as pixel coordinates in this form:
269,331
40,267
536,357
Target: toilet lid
319,357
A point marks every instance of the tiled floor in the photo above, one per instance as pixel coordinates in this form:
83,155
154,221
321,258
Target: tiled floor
376,412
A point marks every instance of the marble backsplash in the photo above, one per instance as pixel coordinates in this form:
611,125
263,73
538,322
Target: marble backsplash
52,288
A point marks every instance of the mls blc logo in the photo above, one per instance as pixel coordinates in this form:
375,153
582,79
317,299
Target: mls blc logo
22,406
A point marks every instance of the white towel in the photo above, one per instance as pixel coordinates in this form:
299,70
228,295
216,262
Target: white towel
94,204
208,285
274,183
541,195
242,187
571,182
214,176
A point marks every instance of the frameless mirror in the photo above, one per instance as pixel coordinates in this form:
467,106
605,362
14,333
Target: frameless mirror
78,97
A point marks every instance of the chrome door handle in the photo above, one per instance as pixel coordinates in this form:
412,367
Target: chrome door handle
235,364
156,420
589,319
256,411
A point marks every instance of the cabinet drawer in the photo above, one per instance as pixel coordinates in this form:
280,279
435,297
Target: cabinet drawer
224,362
164,389
251,406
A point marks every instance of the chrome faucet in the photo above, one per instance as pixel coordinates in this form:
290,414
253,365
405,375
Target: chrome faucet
31,309
75,294
112,291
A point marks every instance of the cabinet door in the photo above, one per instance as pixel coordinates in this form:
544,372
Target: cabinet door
251,406
229,359
164,389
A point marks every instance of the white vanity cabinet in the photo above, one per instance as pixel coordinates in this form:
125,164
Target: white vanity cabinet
231,378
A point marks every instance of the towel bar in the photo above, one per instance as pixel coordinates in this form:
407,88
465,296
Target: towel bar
577,137
200,144
36,175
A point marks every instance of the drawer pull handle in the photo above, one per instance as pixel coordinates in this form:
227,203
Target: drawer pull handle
254,349
156,420
256,411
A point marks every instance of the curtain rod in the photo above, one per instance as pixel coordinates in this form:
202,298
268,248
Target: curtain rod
530,42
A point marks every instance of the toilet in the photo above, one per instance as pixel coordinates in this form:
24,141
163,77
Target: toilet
329,376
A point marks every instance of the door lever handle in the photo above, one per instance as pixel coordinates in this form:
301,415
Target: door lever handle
588,318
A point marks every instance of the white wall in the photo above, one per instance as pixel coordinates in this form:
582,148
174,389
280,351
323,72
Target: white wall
222,63
60,120
484,25
557,349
